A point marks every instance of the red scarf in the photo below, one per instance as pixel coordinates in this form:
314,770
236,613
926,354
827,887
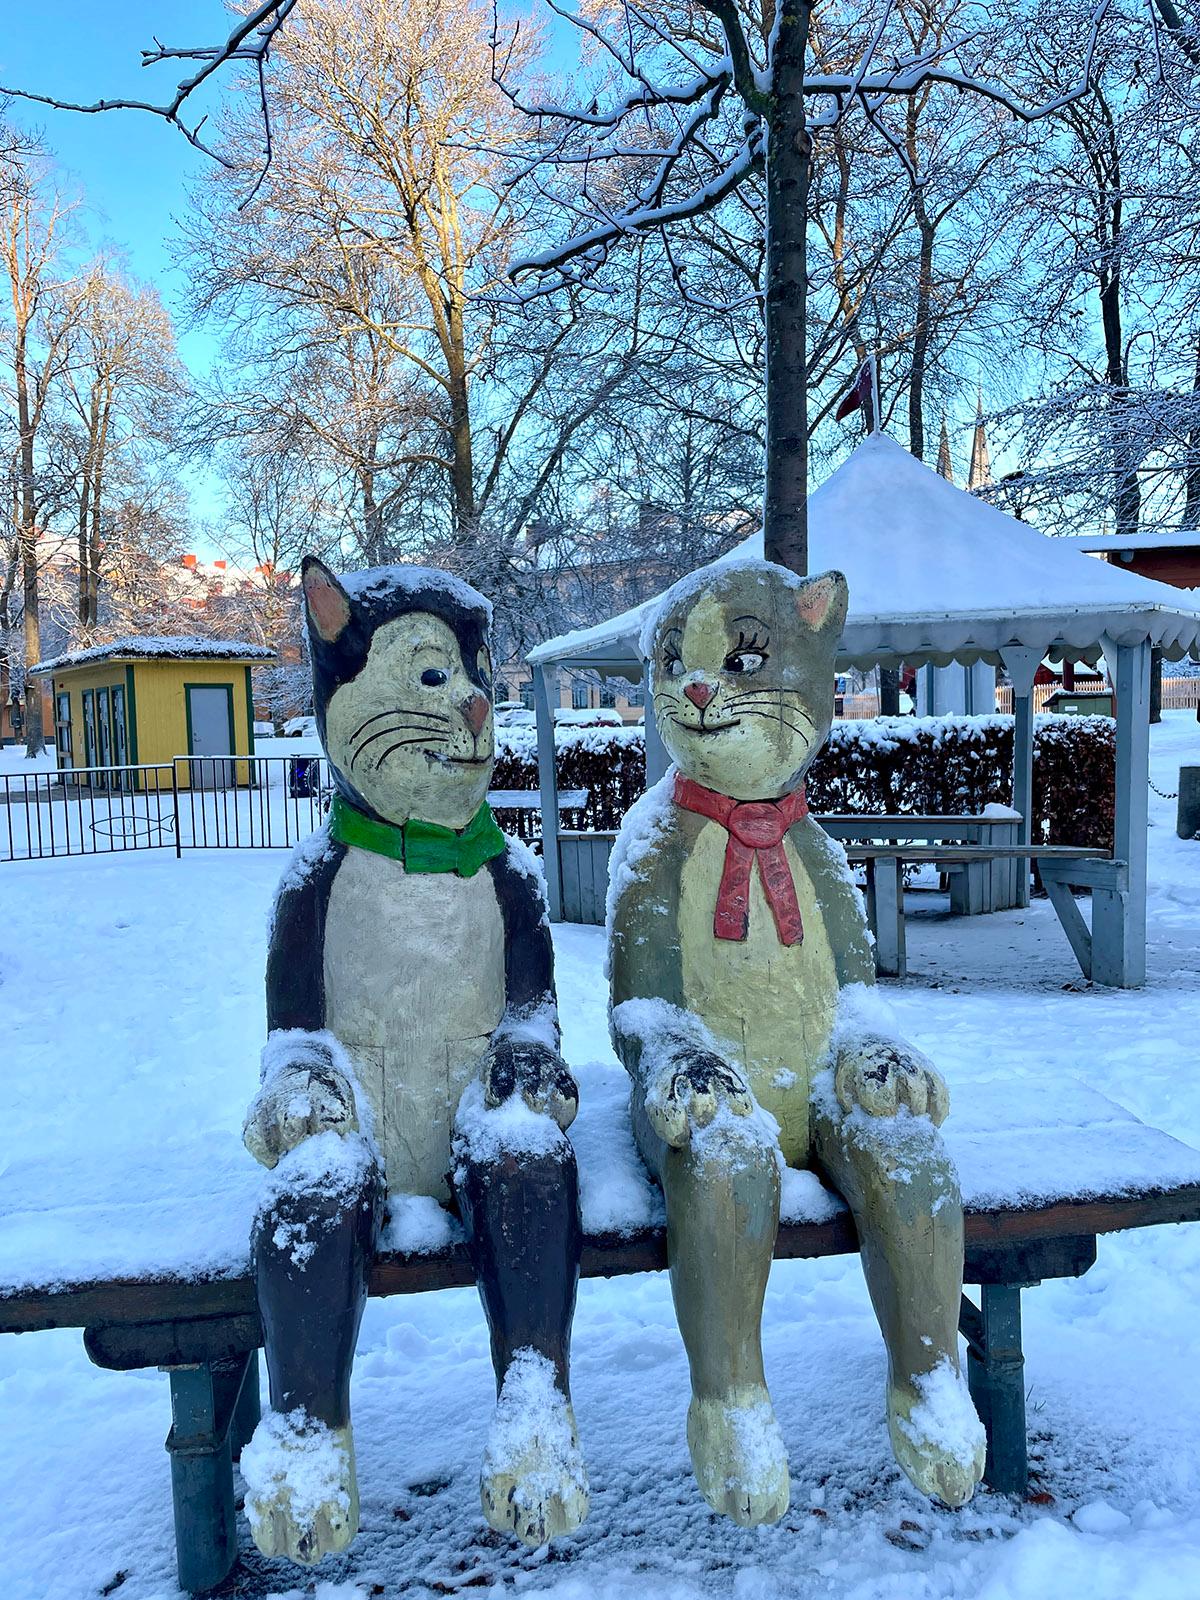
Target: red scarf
756,830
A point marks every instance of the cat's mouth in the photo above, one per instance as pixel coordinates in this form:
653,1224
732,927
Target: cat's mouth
708,727
457,761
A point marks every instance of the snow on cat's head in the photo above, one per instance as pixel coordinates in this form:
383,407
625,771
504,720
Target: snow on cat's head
741,671
402,688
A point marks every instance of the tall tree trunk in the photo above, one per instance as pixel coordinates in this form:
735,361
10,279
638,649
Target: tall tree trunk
35,739
920,351
463,472
85,500
789,152
889,691
1191,471
95,542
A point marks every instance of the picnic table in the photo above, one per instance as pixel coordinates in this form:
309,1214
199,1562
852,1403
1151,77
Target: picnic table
151,1261
1062,868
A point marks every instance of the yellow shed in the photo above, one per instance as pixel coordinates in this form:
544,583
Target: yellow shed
146,702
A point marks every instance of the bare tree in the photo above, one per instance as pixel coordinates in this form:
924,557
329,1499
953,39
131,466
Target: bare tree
703,108
33,222
123,386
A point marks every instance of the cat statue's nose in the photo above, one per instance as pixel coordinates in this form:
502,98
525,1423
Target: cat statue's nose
475,712
700,693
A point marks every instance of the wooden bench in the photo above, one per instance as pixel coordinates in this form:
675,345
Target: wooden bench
976,886
1061,865
1037,1195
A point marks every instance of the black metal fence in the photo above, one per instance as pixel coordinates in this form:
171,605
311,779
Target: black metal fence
234,803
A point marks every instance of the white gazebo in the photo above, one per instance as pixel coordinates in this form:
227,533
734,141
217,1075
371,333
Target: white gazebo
937,575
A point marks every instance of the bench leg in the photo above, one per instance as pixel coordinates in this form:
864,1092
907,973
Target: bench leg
996,1378
248,1411
206,1411
889,917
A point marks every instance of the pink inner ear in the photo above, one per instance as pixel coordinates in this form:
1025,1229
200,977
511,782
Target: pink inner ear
327,605
814,601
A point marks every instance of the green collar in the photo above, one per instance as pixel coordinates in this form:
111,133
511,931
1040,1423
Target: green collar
421,846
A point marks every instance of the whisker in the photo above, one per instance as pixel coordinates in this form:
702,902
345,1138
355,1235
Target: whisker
399,711
775,716
399,727
399,743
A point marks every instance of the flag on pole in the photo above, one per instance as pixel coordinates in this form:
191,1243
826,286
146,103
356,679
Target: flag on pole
863,396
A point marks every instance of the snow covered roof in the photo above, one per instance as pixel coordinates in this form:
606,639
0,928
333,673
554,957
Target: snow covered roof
1103,543
939,575
158,647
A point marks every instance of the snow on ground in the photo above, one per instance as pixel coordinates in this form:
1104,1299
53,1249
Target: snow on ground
131,1009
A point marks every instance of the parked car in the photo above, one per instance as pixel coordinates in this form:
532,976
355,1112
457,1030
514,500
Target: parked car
594,718
300,728
512,714
264,730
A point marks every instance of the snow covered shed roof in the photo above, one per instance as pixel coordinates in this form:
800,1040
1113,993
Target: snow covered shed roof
938,575
158,647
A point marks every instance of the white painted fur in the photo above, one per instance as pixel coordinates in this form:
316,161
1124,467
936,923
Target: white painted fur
414,987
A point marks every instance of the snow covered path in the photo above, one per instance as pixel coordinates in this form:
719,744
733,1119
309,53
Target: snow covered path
130,1004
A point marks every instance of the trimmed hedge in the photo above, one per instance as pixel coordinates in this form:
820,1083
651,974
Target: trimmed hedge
935,765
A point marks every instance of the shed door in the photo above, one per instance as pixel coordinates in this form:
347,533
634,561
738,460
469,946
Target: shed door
210,734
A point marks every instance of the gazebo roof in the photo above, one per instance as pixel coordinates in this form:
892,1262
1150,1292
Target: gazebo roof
158,647
938,575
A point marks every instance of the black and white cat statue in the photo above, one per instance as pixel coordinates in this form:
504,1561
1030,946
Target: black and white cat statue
413,1049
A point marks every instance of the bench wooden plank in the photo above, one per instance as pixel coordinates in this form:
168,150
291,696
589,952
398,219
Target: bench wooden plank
959,853
604,1256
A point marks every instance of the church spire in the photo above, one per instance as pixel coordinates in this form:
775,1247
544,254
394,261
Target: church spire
945,469
980,473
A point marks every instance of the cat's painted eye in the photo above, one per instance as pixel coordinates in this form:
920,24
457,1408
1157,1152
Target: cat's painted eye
483,665
744,661
674,667
434,677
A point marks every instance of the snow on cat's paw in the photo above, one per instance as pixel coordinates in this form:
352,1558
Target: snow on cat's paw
689,1090
738,1456
880,1076
301,1489
936,1435
292,1106
533,1482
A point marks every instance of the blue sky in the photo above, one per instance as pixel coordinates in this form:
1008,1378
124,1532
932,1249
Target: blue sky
132,169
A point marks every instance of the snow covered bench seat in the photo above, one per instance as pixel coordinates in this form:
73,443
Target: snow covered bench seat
149,1255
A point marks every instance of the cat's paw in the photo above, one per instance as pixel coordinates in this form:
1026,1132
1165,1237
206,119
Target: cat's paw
880,1076
937,1437
292,1105
538,1074
688,1091
301,1490
738,1456
533,1482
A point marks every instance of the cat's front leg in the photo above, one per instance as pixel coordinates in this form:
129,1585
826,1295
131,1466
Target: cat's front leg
881,1076
533,1070
686,1090
305,1090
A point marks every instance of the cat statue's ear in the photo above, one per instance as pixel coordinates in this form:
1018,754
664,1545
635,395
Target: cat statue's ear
328,603
822,603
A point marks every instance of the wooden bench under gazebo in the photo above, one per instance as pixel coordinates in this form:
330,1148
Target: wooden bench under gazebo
938,575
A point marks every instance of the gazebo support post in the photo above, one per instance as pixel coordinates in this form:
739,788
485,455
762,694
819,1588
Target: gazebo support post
657,760
1119,913
1021,664
545,693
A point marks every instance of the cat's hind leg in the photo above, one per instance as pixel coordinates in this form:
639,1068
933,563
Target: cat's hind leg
313,1240
517,1188
721,1186
895,1174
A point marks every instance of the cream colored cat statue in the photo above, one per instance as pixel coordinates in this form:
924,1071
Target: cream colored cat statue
739,956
